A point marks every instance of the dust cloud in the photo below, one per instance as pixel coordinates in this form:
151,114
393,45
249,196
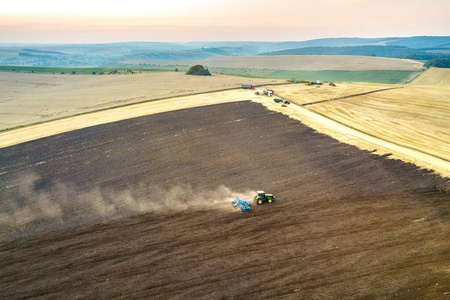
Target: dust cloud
60,203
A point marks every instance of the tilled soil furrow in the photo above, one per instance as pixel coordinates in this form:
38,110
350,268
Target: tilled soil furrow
142,209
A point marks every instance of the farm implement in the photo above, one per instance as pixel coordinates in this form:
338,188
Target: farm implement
238,202
260,198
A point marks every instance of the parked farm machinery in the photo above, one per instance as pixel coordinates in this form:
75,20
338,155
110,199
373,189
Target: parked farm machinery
268,92
316,83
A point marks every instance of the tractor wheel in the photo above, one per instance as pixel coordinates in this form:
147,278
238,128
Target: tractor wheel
269,200
259,201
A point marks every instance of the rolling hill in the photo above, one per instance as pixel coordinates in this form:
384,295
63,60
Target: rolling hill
94,55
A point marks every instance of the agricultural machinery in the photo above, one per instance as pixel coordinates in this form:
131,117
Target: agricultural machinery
316,83
268,92
263,197
245,205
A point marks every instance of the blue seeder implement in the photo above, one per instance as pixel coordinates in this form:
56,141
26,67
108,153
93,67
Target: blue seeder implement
245,205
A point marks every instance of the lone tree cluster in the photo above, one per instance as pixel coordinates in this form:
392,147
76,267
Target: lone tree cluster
438,63
198,70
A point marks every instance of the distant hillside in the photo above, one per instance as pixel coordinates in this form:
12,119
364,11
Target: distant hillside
329,42
382,51
410,42
43,51
421,42
379,51
186,55
97,55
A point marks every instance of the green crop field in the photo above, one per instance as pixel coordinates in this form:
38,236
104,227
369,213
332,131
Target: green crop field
373,76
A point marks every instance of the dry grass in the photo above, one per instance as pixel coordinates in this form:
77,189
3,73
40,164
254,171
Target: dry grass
21,135
433,76
306,62
413,118
30,98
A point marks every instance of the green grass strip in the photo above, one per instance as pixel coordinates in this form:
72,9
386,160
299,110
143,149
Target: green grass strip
370,76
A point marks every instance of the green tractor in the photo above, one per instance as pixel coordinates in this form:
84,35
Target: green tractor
263,197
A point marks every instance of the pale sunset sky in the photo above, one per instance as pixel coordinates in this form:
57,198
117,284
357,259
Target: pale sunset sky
92,21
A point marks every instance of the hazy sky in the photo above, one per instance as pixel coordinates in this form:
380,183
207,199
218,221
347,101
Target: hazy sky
47,21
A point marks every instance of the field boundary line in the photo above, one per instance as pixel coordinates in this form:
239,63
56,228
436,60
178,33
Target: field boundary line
350,96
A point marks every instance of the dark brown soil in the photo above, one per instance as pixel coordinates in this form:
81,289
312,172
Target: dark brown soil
140,209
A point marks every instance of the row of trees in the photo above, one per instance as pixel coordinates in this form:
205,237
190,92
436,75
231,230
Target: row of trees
380,51
438,63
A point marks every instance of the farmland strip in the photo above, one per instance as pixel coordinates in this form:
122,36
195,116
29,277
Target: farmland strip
345,97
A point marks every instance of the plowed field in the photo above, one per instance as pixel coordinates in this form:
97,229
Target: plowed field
141,209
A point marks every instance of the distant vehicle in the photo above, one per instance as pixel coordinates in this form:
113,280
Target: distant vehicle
317,82
268,92
278,100
248,86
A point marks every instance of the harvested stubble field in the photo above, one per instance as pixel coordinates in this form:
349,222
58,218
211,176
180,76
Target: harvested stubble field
30,98
434,77
346,223
303,62
414,118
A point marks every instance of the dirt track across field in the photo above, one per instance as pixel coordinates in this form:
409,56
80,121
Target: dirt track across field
154,194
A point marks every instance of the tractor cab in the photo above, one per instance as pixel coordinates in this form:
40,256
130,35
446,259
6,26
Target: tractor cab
261,194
